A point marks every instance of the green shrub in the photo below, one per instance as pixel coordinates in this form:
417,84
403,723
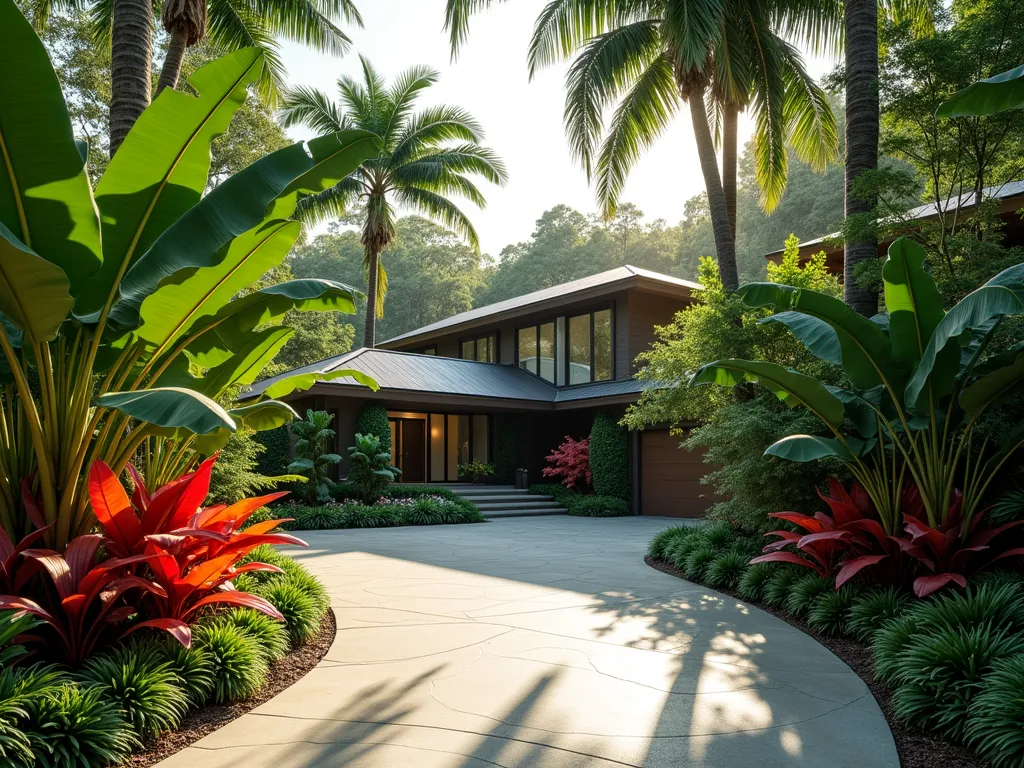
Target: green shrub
379,516
805,591
755,580
192,667
830,613
20,687
748,545
1002,605
609,457
557,491
719,534
940,672
76,727
779,585
312,458
995,714
595,506
726,570
1008,509
506,452
239,667
276,454
698,560
300,610
889,644
370,468
998,578
871,610
141,684
678,550
658,548
315,518
302,579
271,635
373,420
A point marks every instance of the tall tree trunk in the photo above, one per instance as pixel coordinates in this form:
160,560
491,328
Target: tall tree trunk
861,139
730,141
725,246
171,70
370,329
131,75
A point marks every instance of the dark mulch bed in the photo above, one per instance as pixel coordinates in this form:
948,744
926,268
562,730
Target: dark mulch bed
916,748
204,721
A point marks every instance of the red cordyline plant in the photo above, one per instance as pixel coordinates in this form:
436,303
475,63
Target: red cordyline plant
571,462
853,539
191,552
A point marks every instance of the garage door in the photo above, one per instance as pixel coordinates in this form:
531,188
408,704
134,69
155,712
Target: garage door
670,477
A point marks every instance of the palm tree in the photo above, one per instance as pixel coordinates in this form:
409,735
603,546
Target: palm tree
427,157
230,24
718,58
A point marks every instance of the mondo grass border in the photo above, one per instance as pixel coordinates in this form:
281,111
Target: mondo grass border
915,748
204,721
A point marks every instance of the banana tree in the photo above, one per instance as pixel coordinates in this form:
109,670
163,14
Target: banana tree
118,327
921,379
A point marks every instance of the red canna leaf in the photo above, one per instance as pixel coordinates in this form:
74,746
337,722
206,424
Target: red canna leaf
196,491
56,568
256,567
787,557
244,599
28,501
162,502
112,507
852,567
179,630
81,554
140,496
925,585
240,511
809,524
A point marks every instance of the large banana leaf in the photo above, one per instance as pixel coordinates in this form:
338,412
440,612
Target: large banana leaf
864,347
232,325
985,97
264,415
161,169
45,197
819,337
238,205
242,368
1002,295
913,301
191,294
791,387
992,388
300,382
34,293
804,448
170,407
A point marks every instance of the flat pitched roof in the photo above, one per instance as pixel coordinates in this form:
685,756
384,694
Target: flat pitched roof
603,282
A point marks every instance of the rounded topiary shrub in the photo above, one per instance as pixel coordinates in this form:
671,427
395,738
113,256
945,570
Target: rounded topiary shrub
373,420
609,457
239,665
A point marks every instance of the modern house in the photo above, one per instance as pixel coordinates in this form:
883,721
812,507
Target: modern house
508,381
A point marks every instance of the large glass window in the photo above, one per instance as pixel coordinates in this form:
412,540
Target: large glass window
527,347
482,349
547,352
579,349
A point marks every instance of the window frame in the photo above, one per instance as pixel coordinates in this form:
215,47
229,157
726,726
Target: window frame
431,350
475,338
565,365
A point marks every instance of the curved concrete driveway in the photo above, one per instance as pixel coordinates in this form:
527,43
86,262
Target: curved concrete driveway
547,642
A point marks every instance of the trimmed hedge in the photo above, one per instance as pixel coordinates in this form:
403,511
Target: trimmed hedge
581,504
276,456
373,420
609,457
421,509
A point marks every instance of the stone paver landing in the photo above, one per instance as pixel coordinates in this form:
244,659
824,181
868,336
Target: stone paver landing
544,642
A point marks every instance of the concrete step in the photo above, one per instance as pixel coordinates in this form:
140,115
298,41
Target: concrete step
524,513
486,498
532,502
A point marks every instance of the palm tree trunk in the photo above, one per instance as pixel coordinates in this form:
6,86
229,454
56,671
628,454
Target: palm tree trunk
171,70
730,141
725,246
131,54
370,329
861,140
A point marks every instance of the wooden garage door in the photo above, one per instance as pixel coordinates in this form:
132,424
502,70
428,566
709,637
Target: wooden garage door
670,477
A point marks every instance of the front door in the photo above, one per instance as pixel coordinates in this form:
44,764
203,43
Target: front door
411,449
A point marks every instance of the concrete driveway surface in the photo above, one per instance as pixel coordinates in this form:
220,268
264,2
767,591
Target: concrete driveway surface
547,642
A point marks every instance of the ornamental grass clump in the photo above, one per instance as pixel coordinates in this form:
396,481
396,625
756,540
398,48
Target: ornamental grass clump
755,581
698,559
718,534
659,545
139,682
193,669
830,612
889,644
779,586
995,714
20,689
300,610
76,727
871,610
726,570
240,668
805,591
271,636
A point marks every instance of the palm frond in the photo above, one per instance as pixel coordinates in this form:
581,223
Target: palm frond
818,25
691,27
919,13
461,158
102,17
313,108
565,25
813,132
439,209
382,281
431,127
771,157
402,96
450,183
39,11
456,20
332,203
607,66
302,21
232,24
638,121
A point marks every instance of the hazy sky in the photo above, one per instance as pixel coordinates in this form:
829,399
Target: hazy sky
523,119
